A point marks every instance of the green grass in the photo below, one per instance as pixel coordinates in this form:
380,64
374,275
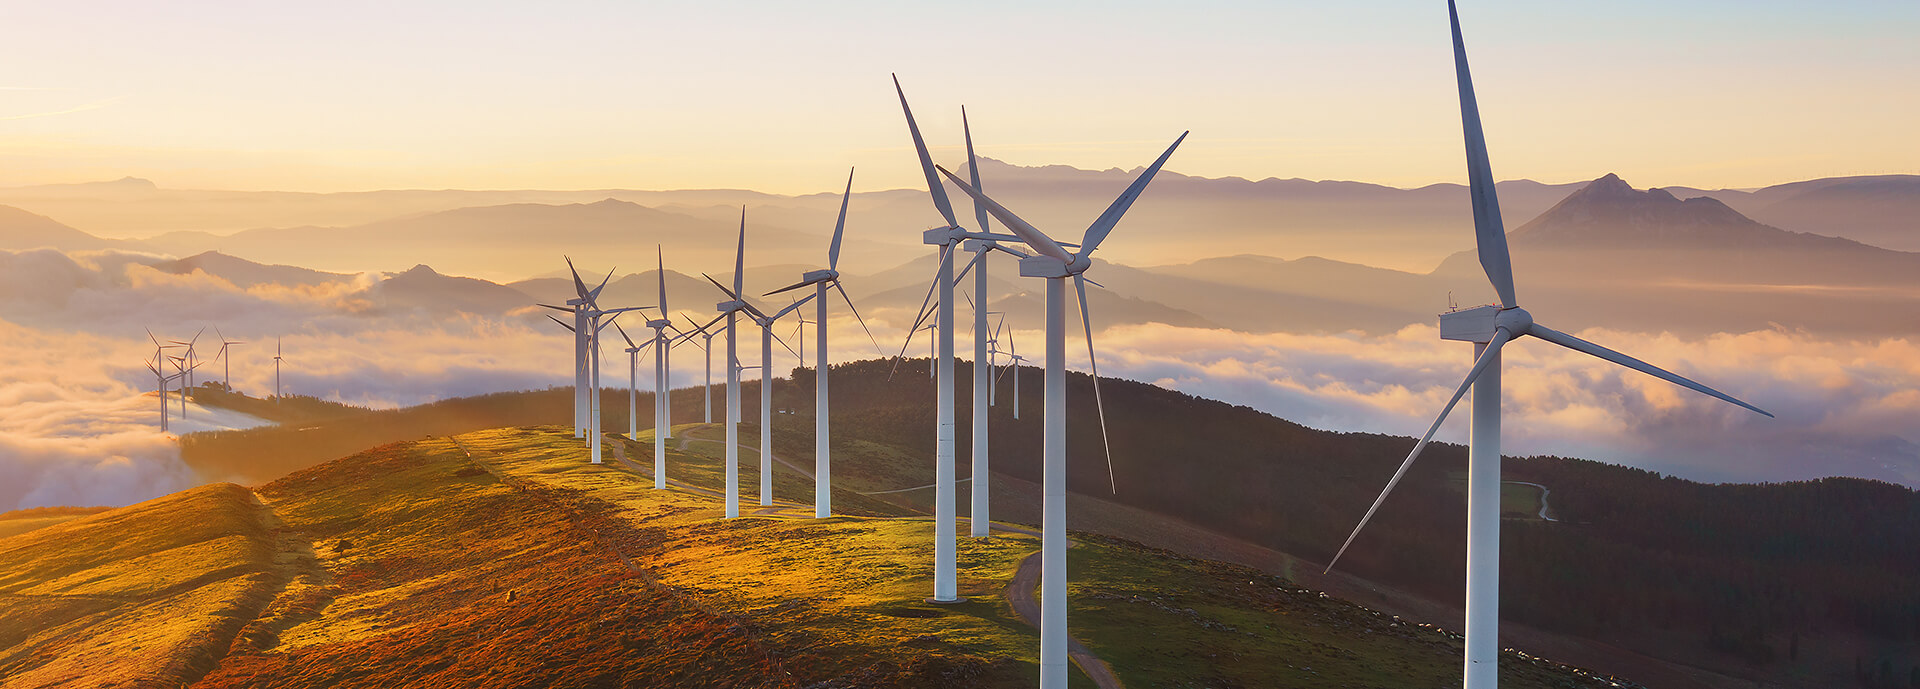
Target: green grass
1517,500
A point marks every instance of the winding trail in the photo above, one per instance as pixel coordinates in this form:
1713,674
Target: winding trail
1020,595
1543,498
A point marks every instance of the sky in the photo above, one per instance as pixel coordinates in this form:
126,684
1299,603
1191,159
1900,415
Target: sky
782,97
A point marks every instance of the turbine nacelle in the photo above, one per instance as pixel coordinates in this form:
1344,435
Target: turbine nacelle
816,276
942,236
1043,266
1479,323
660,323
730,306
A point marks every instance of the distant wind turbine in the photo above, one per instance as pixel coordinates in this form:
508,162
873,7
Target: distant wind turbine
276,369
226,358
1490,328
821,280
1056,265
767,338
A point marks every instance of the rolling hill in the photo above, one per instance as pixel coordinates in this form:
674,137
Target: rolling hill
501,558
1651,577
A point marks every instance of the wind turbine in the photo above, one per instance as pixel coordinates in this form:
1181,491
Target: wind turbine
1056,265
821,279
633,384
587,317
662,389
160,382
582,307
276,369
226,359
1490,328
1013,354
767,339
729,310
707,347
160,360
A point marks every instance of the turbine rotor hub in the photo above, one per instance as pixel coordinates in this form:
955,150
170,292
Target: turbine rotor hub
1516,321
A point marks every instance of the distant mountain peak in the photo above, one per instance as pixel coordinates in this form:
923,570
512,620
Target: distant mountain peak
1608,211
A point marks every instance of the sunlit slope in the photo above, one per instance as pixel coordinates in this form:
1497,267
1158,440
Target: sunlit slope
502,558
147,595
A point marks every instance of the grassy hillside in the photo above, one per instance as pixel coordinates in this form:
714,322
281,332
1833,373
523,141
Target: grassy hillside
1775,583
502,558
147,595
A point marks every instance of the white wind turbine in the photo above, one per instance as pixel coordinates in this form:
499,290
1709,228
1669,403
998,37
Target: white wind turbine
276,369
706,335
729,310
185,364
160,360
633,384
582,307
662,387
948,237
1056,265
226,358
1490,328
589,314
821,280
767,338
1013,356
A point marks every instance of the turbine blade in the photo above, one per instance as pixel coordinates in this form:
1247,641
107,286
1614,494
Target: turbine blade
740,256
623,335
788,288
1500,339
783,343
1027,232
1489,234
595,294
973,171
579,288
556,308
840,226
856,317
723,288
939,192
1579,345
1097,232
1086,324
968,267
791,307
562,324
660,271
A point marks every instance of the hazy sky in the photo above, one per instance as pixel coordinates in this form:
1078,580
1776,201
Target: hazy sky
783,97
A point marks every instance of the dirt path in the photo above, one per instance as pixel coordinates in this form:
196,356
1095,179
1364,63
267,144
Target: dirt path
1543,499
1020,595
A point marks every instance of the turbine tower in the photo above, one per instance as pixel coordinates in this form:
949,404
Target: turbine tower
821,280
662,389
706,334
1056,265
948,238
729,310
276,369
767,339
633,385
1490,328
226,358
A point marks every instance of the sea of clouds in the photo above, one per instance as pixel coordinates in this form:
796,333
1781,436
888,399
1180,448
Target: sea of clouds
78,422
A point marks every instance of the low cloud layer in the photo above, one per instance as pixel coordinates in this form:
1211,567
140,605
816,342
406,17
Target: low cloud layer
78,425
